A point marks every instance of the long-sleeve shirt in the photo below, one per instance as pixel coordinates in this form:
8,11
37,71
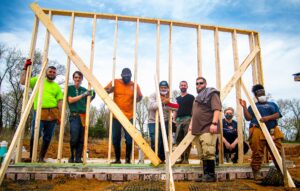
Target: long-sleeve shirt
153,107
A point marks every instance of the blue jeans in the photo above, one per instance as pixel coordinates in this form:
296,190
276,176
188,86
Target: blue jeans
76,139
161,150
47,127
116,138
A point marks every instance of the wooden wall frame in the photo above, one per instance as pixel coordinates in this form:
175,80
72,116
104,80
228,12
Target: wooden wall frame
254,59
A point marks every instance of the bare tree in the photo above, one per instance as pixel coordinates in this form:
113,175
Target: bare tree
175,94
142,114
5,67
290,109
104,114
94,113
15,94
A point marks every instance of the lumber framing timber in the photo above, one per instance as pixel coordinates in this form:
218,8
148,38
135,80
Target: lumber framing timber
26,90
170,77
169,174
267,136
199,51
64,105
135,71
218,80
114,58
145,20
95,84
238,96
88,104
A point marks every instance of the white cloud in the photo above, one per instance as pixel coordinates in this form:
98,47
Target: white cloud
281,55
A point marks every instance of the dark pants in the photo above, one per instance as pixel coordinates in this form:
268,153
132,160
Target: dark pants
235,151
47,128
77,136
181,131
116,136
161,150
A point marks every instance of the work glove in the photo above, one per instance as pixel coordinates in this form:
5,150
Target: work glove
87,93
93,94
27,63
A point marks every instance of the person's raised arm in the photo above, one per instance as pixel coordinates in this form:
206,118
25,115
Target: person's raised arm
247,115
23,73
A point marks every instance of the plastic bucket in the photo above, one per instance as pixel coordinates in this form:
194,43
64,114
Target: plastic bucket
3,148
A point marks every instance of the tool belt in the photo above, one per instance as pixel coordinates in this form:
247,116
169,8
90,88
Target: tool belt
275,131
50,114
81,115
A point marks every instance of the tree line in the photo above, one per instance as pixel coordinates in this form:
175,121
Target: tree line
12,61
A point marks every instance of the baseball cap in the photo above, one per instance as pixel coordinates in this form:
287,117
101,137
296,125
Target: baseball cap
163,83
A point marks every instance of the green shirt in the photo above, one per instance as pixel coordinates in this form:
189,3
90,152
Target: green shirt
79,106
51,95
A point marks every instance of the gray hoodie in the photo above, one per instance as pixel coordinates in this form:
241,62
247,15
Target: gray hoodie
153,107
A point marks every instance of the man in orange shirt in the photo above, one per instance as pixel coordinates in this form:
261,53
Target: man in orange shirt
123,90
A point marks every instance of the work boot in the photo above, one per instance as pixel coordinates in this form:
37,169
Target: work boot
78,155
186,157
43,151
212,173
71,159
256,175
31,149
127,161
205,171
227,157
78,160
217,160
235,158
128,153
117,161
117,154
209,171
181,160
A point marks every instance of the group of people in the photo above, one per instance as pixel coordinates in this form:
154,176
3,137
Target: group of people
199,114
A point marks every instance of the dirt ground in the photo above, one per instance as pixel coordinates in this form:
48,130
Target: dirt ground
98,149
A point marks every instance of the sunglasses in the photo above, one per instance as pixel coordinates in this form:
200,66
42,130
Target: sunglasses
199,83
260,91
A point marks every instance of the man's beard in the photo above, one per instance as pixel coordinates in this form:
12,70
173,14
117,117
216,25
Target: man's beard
183,90
50,78
199,90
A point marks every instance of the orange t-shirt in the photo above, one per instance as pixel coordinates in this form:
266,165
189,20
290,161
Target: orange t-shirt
123,96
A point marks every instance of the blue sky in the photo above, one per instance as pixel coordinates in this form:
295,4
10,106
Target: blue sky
277,22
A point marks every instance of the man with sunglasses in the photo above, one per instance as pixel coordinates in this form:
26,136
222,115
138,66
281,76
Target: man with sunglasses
123,90
205,126
270,113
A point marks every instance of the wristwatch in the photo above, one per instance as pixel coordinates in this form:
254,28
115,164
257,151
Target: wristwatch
214,123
